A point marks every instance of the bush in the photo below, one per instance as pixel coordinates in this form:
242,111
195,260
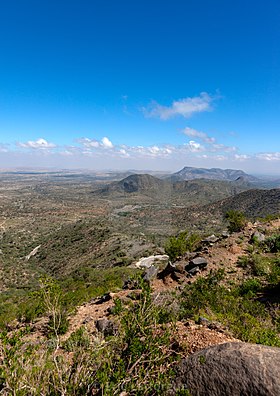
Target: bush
236,219
177,246
272,244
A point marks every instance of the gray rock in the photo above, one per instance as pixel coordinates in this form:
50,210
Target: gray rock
150,273
105,326
211,239
159,260
231,369
106,297
131,284
194,271
257,237
199,262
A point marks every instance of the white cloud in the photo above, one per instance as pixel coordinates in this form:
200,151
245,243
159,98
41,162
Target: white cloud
195,147
37,144
3,148
222,147
197,134
241,157
95,144
185,107
269,156
106,142
86,142
124,153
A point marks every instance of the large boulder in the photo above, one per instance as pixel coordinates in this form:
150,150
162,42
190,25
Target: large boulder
230,369
159,260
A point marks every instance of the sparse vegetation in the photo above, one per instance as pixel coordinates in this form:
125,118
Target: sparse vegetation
184,242
138,360
236,308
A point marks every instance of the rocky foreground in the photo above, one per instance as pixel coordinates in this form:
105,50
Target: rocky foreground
207,358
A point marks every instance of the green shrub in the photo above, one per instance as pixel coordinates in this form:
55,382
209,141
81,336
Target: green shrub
236,219
247,318
250,287
272,244
177,246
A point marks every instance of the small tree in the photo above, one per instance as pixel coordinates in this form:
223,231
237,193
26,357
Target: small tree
51,295
236,219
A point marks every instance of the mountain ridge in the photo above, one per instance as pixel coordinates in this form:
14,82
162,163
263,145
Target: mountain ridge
189,173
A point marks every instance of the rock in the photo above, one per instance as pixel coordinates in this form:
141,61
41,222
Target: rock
194,271
168,270
230,369
150,273
225,234
190,255
131,284
180,267
105,326
199,262
106,297
257,237
210,240
159,260
203,321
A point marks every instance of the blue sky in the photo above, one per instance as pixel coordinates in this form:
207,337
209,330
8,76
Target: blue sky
140,84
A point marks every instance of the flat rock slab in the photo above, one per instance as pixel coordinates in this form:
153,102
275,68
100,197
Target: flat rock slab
199,262
230,369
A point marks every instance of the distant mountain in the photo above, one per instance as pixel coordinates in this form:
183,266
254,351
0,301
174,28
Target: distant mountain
190,173
134,184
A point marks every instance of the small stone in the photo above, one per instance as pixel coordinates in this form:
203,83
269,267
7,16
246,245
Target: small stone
203,321
194,271
105,326
211,239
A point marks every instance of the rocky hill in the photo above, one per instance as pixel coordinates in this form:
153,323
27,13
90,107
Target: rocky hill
199,190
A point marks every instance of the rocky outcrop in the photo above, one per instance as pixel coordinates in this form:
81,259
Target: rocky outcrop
230,369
